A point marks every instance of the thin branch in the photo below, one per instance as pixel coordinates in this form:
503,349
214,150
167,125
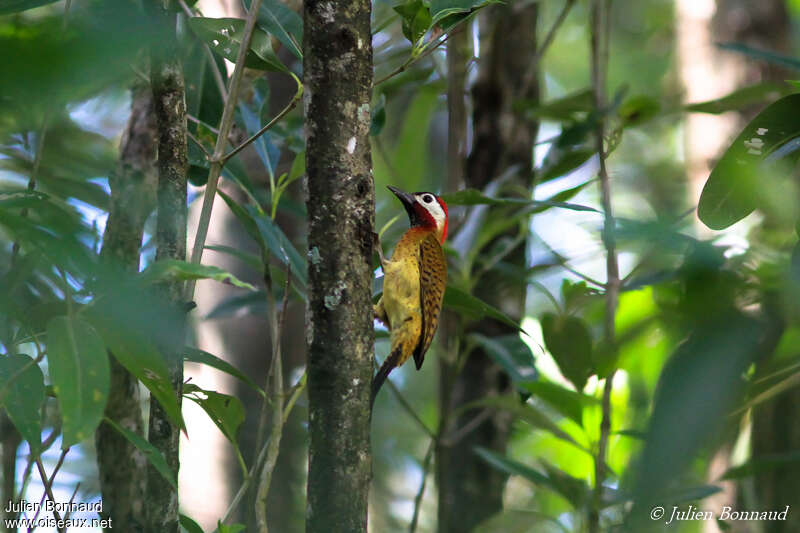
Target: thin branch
533,67
226,123
198,143
600,26
196,120
37,161
291,105
71,500
407,406
48,483
453,438
426,465
413,59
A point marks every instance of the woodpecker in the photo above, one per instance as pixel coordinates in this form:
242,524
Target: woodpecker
413,283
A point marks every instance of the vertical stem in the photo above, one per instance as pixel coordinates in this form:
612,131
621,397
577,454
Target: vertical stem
600,35
337,67
218,157
166,75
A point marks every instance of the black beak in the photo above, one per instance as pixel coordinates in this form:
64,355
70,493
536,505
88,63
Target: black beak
408,202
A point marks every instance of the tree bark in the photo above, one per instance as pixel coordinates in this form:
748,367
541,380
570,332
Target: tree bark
121,465
337,67
169,102
470,490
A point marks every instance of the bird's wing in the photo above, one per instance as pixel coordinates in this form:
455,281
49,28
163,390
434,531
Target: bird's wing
433,278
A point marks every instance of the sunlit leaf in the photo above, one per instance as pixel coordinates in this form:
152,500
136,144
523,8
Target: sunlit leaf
23,397
155,457
416,19
569,340
78,366
224,36
733,189
225,411
567,402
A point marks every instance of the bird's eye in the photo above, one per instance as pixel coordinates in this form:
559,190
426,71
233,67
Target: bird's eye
427,198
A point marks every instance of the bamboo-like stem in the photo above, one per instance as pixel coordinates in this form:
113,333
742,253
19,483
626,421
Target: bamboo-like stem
217,161
599,37
274,447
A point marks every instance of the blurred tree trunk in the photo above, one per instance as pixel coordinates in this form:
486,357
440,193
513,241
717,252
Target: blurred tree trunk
470,490
120,464
169,103
763,25
766,25
337,71
10,440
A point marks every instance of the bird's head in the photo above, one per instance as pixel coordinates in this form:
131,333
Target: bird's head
425,210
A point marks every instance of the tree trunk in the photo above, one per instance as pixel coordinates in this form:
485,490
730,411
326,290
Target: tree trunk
470,490
121,465
166,76
337,67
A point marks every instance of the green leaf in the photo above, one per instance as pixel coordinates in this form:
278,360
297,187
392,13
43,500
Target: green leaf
740,98
527,412
761,464
567,402
733,189
15,6
572,489
174,269
466,304
154,456
23,397
272,236
764,55
225,411
511,354
78,366
250,303
189,525
232,528
416,19
561,109
569,341
224,36
441,9
471,197
251,260
134,351
560,161
638,110
275,18
194,355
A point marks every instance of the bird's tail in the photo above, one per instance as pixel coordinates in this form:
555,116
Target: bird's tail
383,373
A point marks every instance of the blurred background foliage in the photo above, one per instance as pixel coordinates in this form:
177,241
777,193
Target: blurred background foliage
707,347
